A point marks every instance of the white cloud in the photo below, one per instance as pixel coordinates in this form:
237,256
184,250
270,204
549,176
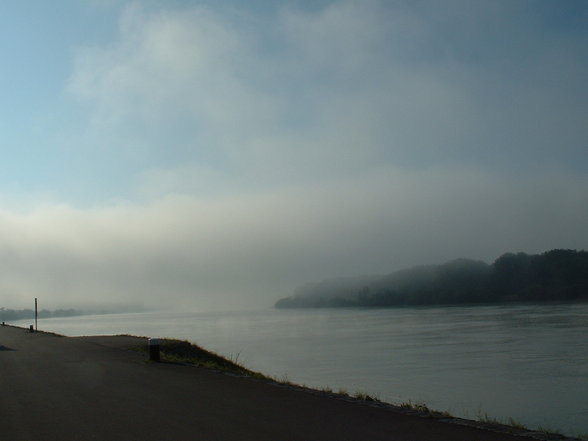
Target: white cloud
197,84
169,67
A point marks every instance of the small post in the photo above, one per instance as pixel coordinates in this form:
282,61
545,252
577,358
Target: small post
154,349
31,329
36,329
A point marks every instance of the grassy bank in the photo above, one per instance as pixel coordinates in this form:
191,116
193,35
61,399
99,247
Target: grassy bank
182,351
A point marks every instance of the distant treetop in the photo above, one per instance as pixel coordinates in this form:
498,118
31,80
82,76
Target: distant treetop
556,275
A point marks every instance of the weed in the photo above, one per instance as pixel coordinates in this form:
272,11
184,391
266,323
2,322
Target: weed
484,418
285,380
516,424
235,358
422,407
366,397
548,430
510,422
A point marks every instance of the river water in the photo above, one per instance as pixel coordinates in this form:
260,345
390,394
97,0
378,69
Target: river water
526,362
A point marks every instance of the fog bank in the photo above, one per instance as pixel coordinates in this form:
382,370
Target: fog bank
251,248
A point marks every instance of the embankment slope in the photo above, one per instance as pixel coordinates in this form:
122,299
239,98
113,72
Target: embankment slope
97,388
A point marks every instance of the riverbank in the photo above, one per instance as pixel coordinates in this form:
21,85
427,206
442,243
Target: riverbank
102,387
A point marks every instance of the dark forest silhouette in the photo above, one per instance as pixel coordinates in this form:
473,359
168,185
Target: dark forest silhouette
557,275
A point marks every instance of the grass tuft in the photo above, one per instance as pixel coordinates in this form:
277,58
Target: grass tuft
423,408
516,424
510,422
343,392
366,397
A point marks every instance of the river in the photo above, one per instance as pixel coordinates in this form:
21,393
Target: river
526,362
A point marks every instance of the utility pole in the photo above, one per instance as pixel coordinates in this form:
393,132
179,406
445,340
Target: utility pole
35,313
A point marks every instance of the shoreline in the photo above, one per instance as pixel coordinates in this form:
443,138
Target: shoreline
185,353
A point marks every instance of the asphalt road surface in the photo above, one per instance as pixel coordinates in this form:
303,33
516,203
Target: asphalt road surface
95,388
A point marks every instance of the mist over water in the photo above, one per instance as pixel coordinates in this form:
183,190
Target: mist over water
526,362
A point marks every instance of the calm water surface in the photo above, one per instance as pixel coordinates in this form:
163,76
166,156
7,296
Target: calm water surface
526,362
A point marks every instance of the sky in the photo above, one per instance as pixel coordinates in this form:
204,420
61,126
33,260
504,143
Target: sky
218,154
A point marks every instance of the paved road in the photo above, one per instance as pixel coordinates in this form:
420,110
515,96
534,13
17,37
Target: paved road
94,388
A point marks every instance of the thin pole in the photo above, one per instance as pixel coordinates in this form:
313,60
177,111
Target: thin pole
35,313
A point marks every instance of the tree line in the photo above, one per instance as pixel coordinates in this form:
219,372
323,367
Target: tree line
556,275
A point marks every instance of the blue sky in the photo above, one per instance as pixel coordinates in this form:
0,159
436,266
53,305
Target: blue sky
224,152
